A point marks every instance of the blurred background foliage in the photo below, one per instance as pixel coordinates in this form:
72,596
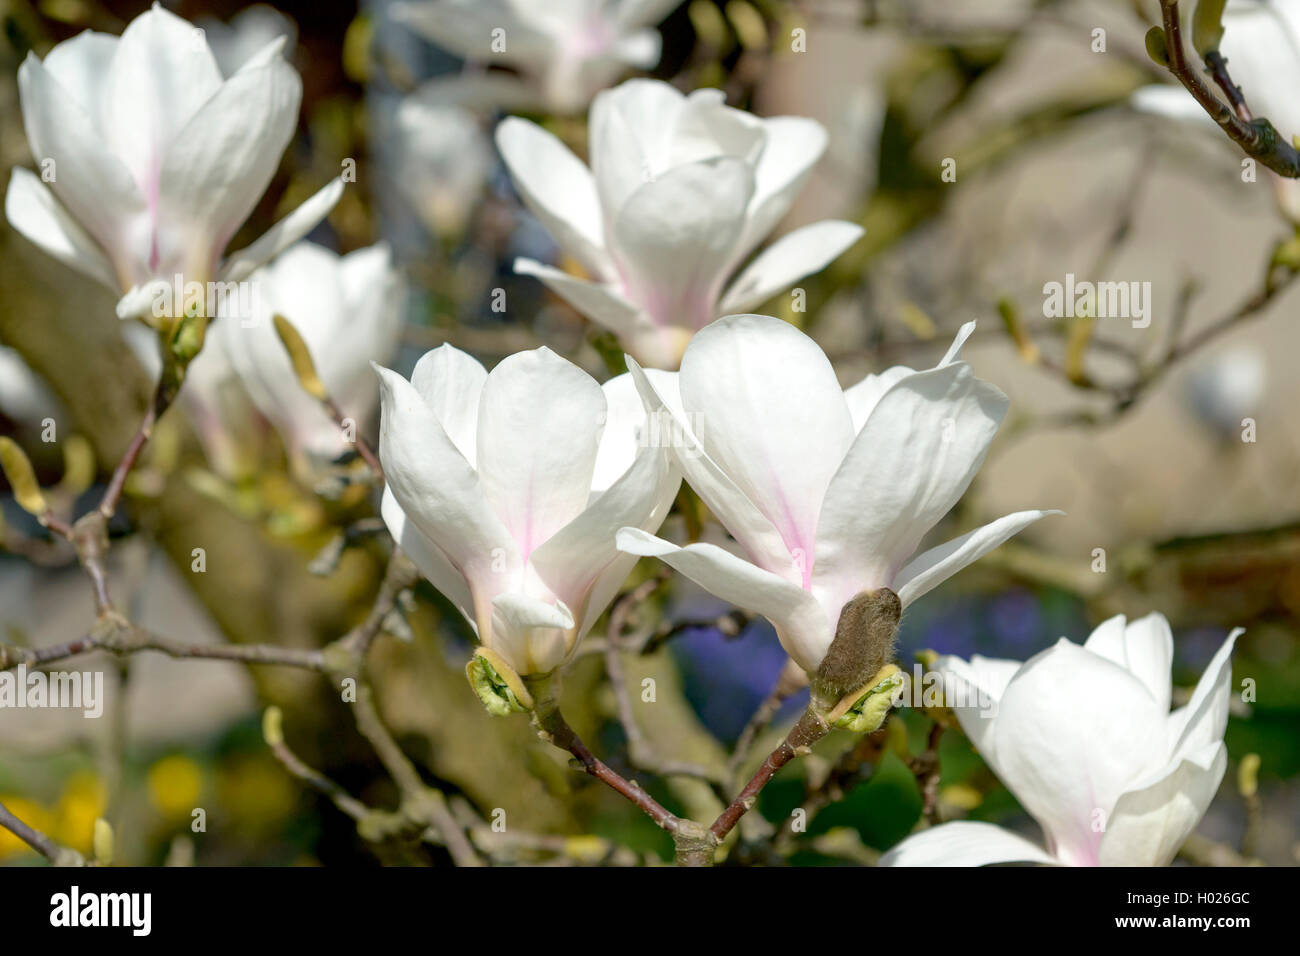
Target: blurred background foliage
1055,173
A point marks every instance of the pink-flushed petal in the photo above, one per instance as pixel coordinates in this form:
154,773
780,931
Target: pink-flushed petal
674,236
451,382
539,424
965,843
668,424
764,403
931,568
32,209
801,624
913,459
161,75
793,256
1145,648
1152,821
1073,732
215,169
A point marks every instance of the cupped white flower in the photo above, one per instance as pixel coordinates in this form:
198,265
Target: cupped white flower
828,492
348,310
564,51
149,160
681,190
507,489
1084,738
1261,42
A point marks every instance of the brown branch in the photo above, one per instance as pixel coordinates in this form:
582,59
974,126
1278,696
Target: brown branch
1256,137
38,841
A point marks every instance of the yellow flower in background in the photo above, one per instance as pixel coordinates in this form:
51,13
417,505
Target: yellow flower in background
175,784
31,813
82,802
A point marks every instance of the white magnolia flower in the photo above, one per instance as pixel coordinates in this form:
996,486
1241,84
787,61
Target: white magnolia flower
348,310
1084,738
564,50
1261,42
150,160
506,490
828,492
441,160
681,191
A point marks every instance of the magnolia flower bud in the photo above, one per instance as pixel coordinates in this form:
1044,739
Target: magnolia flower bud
502,691
862,646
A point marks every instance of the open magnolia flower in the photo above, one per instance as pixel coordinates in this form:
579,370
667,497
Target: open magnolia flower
681,191
506,490
564,50
150,160
1261,43
1084,738
827,491
348,311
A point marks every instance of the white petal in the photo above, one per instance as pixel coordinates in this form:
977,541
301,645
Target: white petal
217,167
81,66
284,233
913,459
863,396
794,144
450,382
973,690
1073,731
1145,648
558,189
668,425
570,562
427,556
674,239
532,634
1151,822
965,843
539,425
161,75
32,209
93,185
439,491
764,403
793,256
800,622
931,568
631,135
602,304
1204,718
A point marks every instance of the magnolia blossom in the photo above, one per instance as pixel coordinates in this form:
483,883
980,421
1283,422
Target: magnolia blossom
440,159
348,310
1261,43
564,50
681,191
828,492
150,160
1083,736
506,489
